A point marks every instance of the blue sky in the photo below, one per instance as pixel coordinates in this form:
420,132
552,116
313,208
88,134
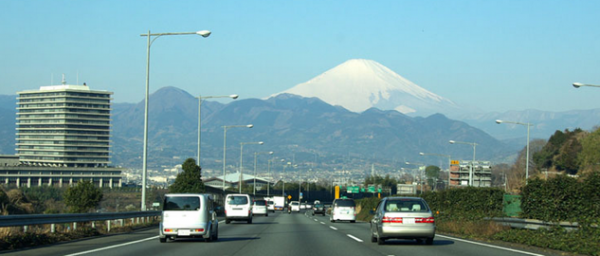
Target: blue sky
497,55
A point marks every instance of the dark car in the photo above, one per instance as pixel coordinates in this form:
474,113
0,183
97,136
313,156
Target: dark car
318,208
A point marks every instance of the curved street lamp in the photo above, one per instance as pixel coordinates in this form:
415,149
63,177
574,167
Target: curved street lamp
577,85
200,98
420,173
256,154
242,161
203,33
225,127
441,155
472,163
528,125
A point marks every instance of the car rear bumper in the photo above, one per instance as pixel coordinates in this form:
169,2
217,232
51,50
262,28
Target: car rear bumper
409,232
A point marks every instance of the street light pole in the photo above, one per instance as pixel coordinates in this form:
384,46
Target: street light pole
527,163
442,155
472,163
225,145
255,154
242,161
203,33
200,97
269,175
420,173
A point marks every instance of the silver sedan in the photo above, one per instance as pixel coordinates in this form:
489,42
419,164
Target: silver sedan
403,218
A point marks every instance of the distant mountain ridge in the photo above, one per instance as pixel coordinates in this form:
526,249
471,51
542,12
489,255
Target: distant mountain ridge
290,124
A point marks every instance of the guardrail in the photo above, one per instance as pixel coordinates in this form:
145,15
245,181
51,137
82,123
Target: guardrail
534,224
53,219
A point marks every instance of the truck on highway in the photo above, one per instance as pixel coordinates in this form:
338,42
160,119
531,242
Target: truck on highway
279,202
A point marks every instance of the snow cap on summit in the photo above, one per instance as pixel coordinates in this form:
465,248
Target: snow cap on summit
360,84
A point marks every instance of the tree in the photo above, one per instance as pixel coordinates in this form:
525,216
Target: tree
433,173
590,153
190,180
83,197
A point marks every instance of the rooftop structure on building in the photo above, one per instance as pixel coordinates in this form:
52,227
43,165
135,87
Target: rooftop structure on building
232,181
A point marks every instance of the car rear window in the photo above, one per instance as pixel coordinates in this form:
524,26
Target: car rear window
260,202
181,203
345,203
237,200
271,202
405,205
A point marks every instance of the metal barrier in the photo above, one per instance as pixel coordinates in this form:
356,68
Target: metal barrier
534,224
40,219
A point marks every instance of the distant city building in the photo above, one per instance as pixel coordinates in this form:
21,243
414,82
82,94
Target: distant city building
63,136
482,173
232,181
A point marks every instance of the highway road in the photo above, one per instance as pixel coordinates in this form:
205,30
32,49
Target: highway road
277,234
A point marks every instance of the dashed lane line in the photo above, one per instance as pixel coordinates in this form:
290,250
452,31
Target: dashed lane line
355,238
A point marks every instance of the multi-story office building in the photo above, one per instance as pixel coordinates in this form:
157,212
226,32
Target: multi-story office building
63,136
64,125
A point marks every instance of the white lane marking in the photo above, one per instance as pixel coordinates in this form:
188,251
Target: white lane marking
492,246
355,238
323,223
113,246
334,228
316,220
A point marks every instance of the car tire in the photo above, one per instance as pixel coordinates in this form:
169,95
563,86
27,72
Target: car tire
419,241
333,221
352,221
227,221
380,241
267,215
429,241
250,221
162,240
373,239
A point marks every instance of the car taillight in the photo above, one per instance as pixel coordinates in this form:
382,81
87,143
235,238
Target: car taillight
168,230
392,219
199,230
425,220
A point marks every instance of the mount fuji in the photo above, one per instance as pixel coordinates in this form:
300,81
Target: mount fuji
360,84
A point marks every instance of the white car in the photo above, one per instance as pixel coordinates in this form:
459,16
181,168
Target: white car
238,207
259,207
295,206
343,209
271,205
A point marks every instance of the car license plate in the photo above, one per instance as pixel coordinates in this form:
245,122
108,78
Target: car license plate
409,220
238,209
184,232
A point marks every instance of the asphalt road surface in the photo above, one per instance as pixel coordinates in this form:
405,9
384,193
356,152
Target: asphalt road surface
277,234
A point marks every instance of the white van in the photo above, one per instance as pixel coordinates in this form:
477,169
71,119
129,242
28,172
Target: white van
238,207
343,209
188,215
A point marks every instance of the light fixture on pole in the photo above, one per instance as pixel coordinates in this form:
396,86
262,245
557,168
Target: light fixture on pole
577,85
442,155
527,159
242,162
420,173
472,163
256,154
200,98
225,145
203,33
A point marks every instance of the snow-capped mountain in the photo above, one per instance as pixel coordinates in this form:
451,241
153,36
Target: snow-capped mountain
360,84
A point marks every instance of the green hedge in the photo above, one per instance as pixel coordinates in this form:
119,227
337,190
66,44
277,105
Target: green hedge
563,198
468,203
